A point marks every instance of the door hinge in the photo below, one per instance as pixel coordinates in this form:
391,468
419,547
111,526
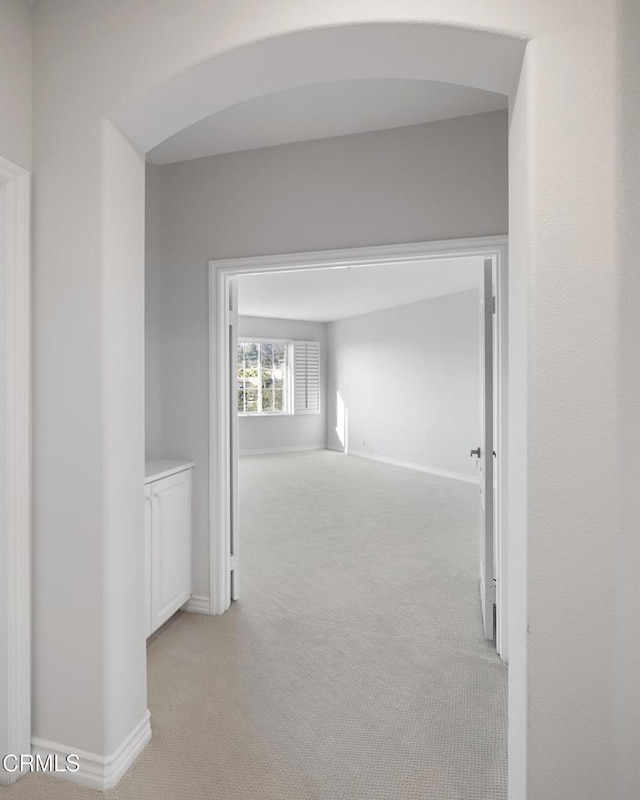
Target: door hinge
232,317
493,304
233,562
494,591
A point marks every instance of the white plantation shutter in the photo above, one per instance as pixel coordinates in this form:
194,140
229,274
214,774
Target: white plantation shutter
306,377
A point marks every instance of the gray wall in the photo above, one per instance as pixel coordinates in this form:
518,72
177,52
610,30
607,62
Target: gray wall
291,431
435,181
408,379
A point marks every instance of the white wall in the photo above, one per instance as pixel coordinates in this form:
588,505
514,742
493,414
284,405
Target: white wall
574,370
15,82
123,467
15,146
292,430
408,379
4,577
433,181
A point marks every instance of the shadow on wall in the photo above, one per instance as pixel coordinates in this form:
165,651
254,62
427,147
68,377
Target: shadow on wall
342,426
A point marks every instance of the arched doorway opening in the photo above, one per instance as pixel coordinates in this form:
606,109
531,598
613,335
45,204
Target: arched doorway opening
417,52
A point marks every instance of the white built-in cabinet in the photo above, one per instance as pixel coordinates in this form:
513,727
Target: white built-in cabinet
167,494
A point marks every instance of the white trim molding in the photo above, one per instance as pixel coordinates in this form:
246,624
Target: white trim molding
197,604
303,448
15,527
394,462
223,429
361,256
97,772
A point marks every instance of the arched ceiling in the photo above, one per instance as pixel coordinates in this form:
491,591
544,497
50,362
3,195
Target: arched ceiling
405,50
322,110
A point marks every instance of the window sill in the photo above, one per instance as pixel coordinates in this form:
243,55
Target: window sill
264,414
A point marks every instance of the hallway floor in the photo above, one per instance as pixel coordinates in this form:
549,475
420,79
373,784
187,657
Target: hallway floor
352,668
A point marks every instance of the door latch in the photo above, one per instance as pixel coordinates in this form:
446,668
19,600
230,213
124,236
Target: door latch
475,453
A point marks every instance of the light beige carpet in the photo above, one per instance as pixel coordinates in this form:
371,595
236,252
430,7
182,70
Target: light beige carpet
352,668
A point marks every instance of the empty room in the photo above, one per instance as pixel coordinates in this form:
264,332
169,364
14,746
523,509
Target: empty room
358,395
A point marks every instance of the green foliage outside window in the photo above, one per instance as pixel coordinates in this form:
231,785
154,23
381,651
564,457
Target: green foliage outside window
262,377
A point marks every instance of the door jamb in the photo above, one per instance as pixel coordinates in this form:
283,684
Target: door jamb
221,272
16,523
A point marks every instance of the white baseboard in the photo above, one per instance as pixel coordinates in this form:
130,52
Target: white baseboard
97,772
197,604
441,473
300,449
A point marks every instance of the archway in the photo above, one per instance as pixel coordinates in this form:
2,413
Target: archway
483,60
449,54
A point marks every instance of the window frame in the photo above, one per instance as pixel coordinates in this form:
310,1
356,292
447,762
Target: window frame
288,377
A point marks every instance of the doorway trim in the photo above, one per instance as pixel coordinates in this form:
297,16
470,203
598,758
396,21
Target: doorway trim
16,524
221,314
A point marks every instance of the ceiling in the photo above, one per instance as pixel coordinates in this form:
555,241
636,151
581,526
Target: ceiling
330,294
319,111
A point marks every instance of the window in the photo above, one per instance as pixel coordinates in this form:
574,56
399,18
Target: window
278,377
263,377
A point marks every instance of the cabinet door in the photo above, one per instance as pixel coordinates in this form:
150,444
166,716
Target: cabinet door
147,556
170,546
